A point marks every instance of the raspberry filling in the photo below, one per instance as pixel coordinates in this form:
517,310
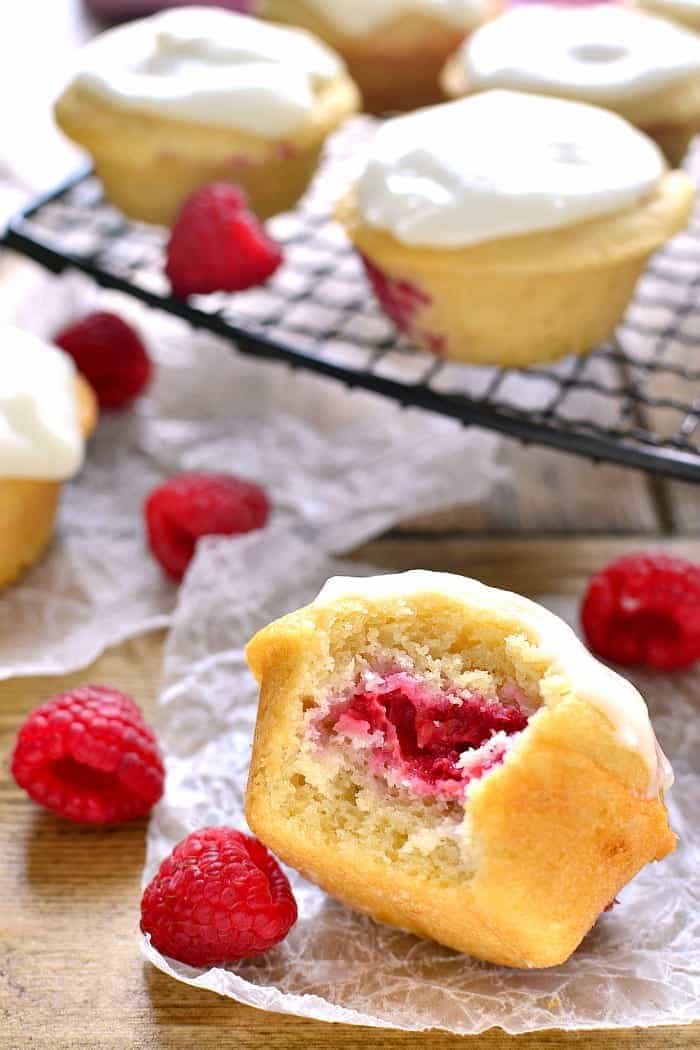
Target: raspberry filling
431,742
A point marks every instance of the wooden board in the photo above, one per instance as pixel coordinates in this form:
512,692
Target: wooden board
70,971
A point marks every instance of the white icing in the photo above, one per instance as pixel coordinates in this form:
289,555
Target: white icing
358,17
40,435
499,164
210,66
591,681
604,54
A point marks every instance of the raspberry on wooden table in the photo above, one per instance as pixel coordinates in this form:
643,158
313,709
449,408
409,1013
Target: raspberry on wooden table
189,506
217,245
218,897
89,756
110,355
645,609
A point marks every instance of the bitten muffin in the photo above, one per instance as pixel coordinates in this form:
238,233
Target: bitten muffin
508,228
394,49
197,95
46,411
644,69
450,759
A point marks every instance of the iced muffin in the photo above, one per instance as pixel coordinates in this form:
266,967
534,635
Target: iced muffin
196,95
508,228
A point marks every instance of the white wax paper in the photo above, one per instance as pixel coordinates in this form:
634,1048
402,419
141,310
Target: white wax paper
339,466
639,966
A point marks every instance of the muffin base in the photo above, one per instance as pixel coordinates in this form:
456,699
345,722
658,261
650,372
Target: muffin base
520,300
29,507
154,191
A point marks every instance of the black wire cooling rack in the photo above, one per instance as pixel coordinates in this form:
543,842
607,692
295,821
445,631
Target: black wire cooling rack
634,401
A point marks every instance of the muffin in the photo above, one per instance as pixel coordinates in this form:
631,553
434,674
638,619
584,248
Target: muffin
509,229
394,49
644,69
195,95
450,759
46,411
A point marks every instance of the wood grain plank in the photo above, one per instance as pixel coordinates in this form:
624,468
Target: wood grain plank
551,493
70,972
684,507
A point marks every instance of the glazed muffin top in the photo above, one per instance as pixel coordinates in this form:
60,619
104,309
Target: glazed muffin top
40,427
604,54
501,163
210,66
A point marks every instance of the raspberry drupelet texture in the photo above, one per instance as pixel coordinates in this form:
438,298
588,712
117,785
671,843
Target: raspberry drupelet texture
189,506
89,756
218,897
433,742
111,356
217,245
644,609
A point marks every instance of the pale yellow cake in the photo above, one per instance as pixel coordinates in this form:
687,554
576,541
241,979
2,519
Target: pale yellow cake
508,847
29,505
150,161
520,300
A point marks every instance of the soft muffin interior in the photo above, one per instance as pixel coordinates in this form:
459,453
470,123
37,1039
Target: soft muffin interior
398,717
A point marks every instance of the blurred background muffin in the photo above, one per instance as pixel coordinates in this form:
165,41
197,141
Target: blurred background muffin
394,49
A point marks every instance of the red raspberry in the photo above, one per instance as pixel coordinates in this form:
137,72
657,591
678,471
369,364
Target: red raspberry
401,300
219,896
188,506
111,356
645,609
217,245
89,756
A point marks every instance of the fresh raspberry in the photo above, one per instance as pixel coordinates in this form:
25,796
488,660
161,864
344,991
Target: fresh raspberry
89,756
400,300
111,356
218,897
217,245
188,506
645,609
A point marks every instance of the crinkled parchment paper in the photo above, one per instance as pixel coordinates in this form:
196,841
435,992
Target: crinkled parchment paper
340,467
639,966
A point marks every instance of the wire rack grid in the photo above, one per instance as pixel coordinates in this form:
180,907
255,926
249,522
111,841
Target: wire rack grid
633,401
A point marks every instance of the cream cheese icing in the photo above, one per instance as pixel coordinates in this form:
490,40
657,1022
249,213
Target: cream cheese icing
210,66
591,681
498,164
606,54
358,17
40,434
